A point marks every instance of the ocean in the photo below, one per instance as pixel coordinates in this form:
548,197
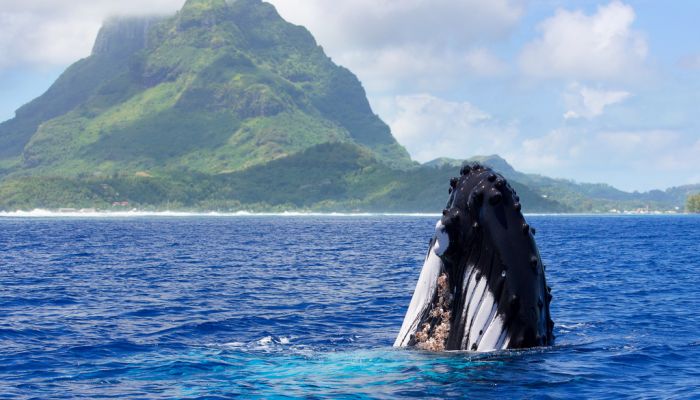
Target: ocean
308,306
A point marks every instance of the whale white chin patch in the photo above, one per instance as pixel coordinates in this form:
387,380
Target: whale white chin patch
442,239
484,327
426,287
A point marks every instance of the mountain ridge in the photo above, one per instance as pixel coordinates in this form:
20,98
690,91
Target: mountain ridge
154,91
200,108
581,192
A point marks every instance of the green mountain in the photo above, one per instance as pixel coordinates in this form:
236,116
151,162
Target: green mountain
217,88
226,106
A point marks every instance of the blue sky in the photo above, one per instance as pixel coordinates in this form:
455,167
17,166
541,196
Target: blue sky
595,91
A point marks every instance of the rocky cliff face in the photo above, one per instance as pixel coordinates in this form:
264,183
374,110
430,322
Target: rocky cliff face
121,37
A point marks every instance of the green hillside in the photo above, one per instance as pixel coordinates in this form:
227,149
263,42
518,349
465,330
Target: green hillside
693,203
326,177
217,88
582,197
226,106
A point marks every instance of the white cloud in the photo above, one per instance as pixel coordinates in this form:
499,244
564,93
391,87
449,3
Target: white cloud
53,32
417,67
422,46
483,62
573,45
410,45
431,127
663,157
570,147
347,24
586,102
389,43
546,154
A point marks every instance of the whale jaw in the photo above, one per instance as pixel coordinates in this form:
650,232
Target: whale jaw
482,286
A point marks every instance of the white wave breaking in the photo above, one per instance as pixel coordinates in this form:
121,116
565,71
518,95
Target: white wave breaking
135,213
42,213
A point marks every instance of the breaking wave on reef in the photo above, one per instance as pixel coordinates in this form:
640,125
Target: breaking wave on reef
42,213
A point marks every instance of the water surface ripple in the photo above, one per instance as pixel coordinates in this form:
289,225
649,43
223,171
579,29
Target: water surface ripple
309,307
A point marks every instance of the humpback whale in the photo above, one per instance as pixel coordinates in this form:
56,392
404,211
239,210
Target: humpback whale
482,286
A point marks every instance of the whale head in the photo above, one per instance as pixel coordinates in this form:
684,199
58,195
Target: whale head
482,286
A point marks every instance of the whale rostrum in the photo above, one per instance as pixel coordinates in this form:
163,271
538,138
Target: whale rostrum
482,286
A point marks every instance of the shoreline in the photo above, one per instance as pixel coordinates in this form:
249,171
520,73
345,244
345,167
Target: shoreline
43,213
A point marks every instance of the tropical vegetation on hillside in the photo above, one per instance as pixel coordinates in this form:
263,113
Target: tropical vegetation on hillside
693,203
226,106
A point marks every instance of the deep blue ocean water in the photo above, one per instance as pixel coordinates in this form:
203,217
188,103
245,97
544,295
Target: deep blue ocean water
296,307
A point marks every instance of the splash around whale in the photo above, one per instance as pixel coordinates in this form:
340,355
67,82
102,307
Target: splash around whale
482,286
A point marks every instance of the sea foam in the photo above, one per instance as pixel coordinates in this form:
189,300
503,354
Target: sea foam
43,213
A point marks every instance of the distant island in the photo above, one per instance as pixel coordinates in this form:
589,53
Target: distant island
225,106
